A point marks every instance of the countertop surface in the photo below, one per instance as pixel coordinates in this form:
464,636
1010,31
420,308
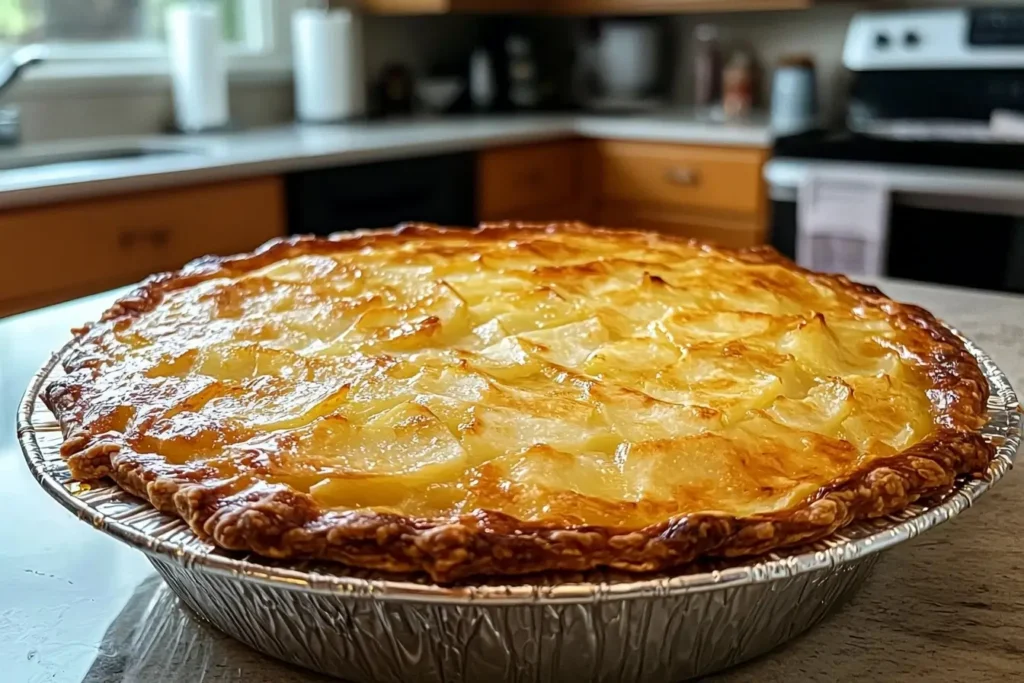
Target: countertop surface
213,157
76,605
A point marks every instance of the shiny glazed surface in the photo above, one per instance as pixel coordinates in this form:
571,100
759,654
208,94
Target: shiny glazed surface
566,379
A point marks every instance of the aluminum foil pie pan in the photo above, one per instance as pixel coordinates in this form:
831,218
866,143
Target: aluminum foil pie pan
600,626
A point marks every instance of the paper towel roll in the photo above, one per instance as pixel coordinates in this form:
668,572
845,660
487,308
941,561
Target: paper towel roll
198,73
328,65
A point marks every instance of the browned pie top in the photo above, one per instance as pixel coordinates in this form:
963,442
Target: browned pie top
554,379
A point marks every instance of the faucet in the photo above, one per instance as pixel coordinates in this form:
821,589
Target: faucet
10,69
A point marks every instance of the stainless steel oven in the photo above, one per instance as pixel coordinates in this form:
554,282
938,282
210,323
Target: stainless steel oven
935,117
951,226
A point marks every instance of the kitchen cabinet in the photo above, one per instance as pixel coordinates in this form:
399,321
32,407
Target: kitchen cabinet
541,182
58,252
444,6
709,192
713,193
625,7
616,7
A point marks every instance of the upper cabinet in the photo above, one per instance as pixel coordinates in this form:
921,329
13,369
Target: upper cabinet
621,7
618,7
444,6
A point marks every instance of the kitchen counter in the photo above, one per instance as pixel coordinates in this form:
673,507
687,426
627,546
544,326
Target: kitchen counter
209,158
78,606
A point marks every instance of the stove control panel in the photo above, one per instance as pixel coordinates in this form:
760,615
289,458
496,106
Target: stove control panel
932,40
997,26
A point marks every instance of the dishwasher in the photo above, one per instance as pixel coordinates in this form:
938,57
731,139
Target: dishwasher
435,189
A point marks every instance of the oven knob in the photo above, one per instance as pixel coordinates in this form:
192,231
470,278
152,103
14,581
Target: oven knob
911,39
881,41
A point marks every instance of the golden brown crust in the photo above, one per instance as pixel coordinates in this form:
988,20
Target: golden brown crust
277,521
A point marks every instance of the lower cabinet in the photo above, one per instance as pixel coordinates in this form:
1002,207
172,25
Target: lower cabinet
712,193
540,182
62,251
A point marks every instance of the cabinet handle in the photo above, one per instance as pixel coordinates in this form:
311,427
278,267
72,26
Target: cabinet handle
159,237
682,175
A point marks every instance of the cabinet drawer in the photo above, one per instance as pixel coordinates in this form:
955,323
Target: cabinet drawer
514,180
723,231
57,252
716,178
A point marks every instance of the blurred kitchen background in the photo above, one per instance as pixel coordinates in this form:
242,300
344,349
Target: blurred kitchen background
873,138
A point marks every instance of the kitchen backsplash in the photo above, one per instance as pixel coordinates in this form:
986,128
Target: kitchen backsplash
424,42
143,110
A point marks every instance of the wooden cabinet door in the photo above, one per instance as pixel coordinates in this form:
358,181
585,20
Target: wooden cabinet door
721,179
709,228
626,7
541,182
443,6
622,7
58,252
705,192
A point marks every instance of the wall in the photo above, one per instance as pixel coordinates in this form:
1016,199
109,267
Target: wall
422,42
818,32
137,109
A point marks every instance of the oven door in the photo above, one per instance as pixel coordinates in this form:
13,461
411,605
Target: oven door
960,227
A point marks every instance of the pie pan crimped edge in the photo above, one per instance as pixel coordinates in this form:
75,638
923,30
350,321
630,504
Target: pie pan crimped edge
600,626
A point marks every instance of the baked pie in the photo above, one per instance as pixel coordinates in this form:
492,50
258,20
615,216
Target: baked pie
517,398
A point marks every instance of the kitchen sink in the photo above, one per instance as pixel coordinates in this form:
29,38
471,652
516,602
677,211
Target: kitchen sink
37,156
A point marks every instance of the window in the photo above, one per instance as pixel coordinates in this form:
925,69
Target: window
90,37
94,21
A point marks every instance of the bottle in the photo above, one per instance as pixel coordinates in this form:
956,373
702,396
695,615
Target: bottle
523,90
707,71
481,80
794,105
738,87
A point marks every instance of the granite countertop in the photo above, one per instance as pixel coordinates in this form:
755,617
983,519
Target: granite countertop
76,605
208,158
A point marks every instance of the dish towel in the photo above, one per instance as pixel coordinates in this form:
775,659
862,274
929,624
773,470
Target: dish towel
842,222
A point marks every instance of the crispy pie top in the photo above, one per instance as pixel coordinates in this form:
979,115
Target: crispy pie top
517,398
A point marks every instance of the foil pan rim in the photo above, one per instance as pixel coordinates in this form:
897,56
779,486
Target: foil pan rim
1005,426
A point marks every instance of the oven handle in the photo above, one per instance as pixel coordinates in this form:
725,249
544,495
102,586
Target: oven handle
951,189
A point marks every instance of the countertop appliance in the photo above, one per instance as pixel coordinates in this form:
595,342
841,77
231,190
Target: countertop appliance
621,60
926,89
794,103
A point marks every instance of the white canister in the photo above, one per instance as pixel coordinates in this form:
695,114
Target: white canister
199,75
794,107
329,80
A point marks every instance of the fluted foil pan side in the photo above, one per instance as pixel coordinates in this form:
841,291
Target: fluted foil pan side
666,638
601,626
